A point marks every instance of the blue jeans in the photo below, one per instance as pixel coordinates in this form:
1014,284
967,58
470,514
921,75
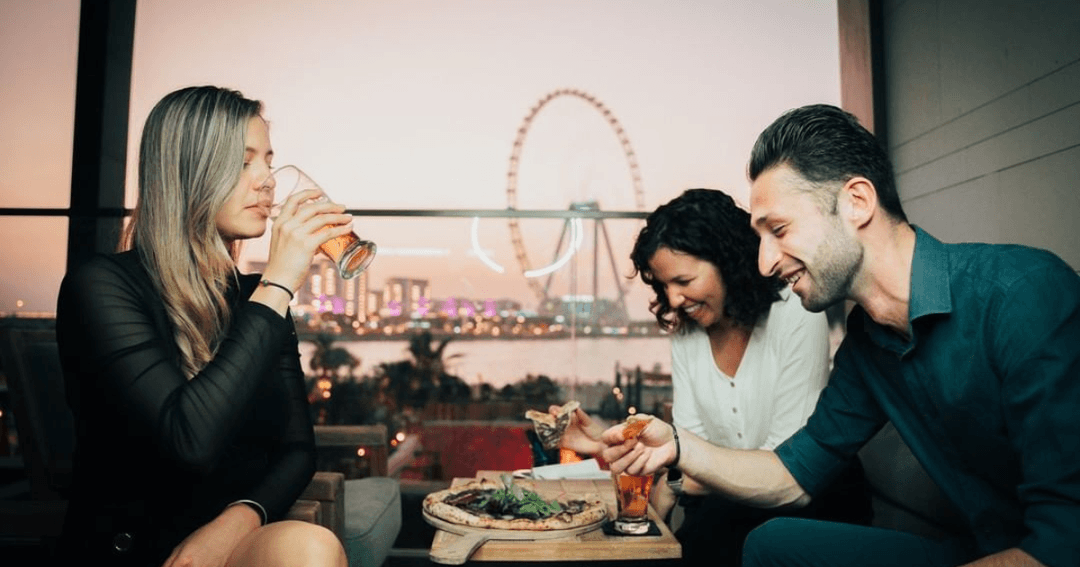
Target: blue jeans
798,542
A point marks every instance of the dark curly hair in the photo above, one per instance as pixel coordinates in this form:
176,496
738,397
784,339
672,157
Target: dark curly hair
708,225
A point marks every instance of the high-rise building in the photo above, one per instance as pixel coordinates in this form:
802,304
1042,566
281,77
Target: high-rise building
375,301
324,291
406,296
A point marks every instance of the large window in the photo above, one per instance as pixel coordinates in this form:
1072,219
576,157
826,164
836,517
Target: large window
441,126
411,112
38,45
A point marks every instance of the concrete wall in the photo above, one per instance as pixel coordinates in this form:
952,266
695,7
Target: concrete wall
983,118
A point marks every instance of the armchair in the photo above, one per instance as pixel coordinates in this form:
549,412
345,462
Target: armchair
31,363
45,427
369,513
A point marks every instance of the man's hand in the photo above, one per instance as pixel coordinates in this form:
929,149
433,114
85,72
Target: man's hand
212,544
653,449
582,435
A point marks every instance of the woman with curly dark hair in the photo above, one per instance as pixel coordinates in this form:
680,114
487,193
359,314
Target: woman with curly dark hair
704,225
747,362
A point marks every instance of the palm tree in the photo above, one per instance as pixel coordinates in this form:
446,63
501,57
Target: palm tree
429,361
329,398
424,378
327,359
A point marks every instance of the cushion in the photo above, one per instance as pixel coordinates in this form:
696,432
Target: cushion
904,496
372,519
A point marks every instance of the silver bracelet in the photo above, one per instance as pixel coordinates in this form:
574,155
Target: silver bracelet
254,506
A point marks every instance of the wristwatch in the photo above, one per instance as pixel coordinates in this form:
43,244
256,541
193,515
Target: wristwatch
674,481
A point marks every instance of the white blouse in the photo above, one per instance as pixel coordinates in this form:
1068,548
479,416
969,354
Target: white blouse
774,391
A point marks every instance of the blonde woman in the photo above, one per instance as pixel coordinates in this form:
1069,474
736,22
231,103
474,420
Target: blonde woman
193,433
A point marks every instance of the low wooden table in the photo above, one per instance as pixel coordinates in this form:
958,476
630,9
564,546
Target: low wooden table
590,546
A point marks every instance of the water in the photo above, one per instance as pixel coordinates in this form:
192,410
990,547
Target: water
581,361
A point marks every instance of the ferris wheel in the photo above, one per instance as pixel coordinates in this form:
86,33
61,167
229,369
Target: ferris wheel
573,229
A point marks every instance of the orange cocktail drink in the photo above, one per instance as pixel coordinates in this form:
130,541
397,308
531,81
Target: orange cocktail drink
632,491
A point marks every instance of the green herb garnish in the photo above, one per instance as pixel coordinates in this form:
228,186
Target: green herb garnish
515,500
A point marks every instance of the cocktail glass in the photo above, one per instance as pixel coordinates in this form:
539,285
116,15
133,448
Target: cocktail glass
632,495
350,253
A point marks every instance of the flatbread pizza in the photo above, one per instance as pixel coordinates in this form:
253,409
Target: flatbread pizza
550,428
508,506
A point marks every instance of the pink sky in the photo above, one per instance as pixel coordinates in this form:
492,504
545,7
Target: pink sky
416,105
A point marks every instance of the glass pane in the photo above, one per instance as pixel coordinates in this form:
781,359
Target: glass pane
32,272
391,108
38,51
428,276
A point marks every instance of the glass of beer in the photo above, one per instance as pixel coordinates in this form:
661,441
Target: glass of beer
632,496
350,253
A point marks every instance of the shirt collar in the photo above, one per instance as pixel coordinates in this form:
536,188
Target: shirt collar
930,291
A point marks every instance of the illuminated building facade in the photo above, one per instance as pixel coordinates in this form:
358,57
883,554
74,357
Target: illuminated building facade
406,296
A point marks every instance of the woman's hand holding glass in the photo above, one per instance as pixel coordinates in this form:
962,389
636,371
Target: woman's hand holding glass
300,227
349,253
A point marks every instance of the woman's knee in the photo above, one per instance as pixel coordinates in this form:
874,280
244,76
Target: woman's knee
291,543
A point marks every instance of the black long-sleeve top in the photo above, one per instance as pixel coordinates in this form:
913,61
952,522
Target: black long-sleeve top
158,455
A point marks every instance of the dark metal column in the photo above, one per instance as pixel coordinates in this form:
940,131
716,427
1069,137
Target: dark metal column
99,151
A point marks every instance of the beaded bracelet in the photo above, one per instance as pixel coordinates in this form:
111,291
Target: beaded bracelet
265,282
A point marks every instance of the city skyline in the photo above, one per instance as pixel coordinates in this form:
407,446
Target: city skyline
354,308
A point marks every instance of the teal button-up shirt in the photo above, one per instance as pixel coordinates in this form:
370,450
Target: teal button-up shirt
986,392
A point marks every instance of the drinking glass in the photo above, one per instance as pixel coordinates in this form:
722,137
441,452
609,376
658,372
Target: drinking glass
632,496
350,253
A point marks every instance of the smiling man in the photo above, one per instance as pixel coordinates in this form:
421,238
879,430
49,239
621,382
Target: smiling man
972,351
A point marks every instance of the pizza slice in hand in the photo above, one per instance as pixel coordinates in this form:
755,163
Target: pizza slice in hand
550,428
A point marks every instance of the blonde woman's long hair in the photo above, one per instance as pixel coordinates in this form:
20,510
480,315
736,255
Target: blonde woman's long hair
190,159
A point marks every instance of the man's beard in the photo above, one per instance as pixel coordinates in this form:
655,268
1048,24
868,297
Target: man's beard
835,264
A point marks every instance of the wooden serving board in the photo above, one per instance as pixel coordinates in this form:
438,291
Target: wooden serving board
458,552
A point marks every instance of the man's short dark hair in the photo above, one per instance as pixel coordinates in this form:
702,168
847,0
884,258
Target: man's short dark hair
826,145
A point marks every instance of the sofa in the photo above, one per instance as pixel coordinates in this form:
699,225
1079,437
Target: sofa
365,513
903,496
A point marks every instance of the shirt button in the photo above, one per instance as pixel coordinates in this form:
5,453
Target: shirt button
739,434
732,384
122,541
734,410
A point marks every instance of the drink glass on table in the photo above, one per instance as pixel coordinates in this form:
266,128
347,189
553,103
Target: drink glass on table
632,491
350,253
632,496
